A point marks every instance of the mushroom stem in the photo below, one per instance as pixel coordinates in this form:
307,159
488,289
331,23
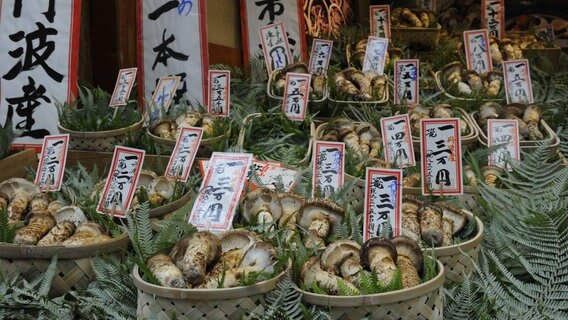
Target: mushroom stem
385,268
312,273
351,270
195,262
264,217
319,227
410,277
164,269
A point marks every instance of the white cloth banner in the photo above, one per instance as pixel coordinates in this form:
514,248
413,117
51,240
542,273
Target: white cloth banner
260,13
172,41
39,43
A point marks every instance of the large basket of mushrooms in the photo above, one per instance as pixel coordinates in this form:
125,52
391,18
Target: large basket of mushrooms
354,87
51,228
276,83
415,27
456,82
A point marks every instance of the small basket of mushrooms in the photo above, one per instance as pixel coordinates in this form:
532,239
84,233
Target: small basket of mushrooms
456,82
277,83
355,54
354,87
415,27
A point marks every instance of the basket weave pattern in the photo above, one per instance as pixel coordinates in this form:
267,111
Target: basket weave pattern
459,265
100,141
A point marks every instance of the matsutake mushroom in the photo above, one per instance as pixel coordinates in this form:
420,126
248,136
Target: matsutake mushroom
409,260
491,175
457,217
61,232
73,214
380,255
531,117
39,202
160,190
193,254
87,233
431,224
165,270
38,224
261,206
320,218
291,204
4,199
311,273
370,142
410,220
342,258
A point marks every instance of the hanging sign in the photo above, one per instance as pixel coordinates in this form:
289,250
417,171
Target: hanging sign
397,141
375,54
383,202
256,14
39,46
441,161
121,182
406,84
172,41
123,87
518,86
276,51
504,133
219,92
319,56
493,17
477,51
427,4
52,162
328,168
297,93
163,96
184,153
214,208
380,20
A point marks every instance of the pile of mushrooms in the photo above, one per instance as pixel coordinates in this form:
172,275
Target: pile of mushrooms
359,85
362,139
204,260
443,110
467,82
412,18
504,49
434,223
317,86
528,118
459,15
169,128
345,261
490,175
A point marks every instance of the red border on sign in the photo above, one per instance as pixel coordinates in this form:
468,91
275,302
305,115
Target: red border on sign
372,21
175,153
501,15
279,25
470,33
384,123
424,152
317,146
516,140
172,92
305,76
416,90
113,100
57,185
506,78
368,180
134,183
227,92
312,53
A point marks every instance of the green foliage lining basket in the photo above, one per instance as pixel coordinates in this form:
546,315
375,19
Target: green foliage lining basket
205,146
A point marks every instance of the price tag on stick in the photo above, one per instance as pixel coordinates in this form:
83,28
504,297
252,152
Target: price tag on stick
518,86
184,153
493,17
123,87
379,16
275,47
375,54
320,55
219,92
163,96
506,134
477,53
328,165
296,95
383,202
51,164
397,141
406,82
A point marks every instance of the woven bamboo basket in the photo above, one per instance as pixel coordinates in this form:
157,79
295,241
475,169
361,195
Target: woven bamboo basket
275,100
205,146
346,103
425,37
241,141
99,140
171,207
438,76
74,269
423,301
157,302
15,165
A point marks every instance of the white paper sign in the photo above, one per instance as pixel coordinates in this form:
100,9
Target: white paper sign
297,94
375,54
51,164
121,182
518,86
493,17
406,81
383,202
163,96
256,14
319,56
272,175
219,92
220,192
39,46
441,156
275,49
124,84
184,153
397,141
173,42
380,21
328,167
503,132
477,50
427,4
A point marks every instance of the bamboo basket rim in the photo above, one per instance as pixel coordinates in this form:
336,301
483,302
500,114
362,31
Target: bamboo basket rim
272,95
438,78
172,143
101,134
206,294
15,251
438,28
377,299
171,207
466,245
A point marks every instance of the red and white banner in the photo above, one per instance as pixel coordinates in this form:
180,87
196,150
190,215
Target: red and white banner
172,41
39,46
256,14
493,17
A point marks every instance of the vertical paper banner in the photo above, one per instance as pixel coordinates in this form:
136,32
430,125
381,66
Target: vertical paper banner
51,166
493,17
503,132
406,84
39,46
276,51
397,141
256,14
477,52
219,92
328,167
518,85
124,84
383,202
172,41
379,17
375,54
319,56
297,93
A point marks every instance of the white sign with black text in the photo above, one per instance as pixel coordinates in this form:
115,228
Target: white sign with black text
504,133
397,141
51,166
184,153
328,168
375,54
219,92
517,77
296,95
124,84
383,202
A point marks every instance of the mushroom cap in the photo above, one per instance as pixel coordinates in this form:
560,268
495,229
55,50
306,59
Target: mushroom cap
319,208
14,184
337,252
71,213
168,123
452,67
405,246
367,128
163,186
41,196
489,110
410,204
91,227
516,110
376,247
455,214
37,215
259,257
494,75
291,203
261,199
494,170
309,270
298,67
146,177
237,239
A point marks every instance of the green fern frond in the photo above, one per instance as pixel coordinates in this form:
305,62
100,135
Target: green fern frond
283,303
344,290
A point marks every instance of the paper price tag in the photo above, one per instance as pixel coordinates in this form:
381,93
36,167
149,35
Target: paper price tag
219,92
275,47
427,4
51,164
214,208
441,161
493,17
163,96
375,54
518,86
477,50
379,16
503,132
406,81
397,141
121,182
272,175
184,153
124,84
319,56
383,202
297,93
328,170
